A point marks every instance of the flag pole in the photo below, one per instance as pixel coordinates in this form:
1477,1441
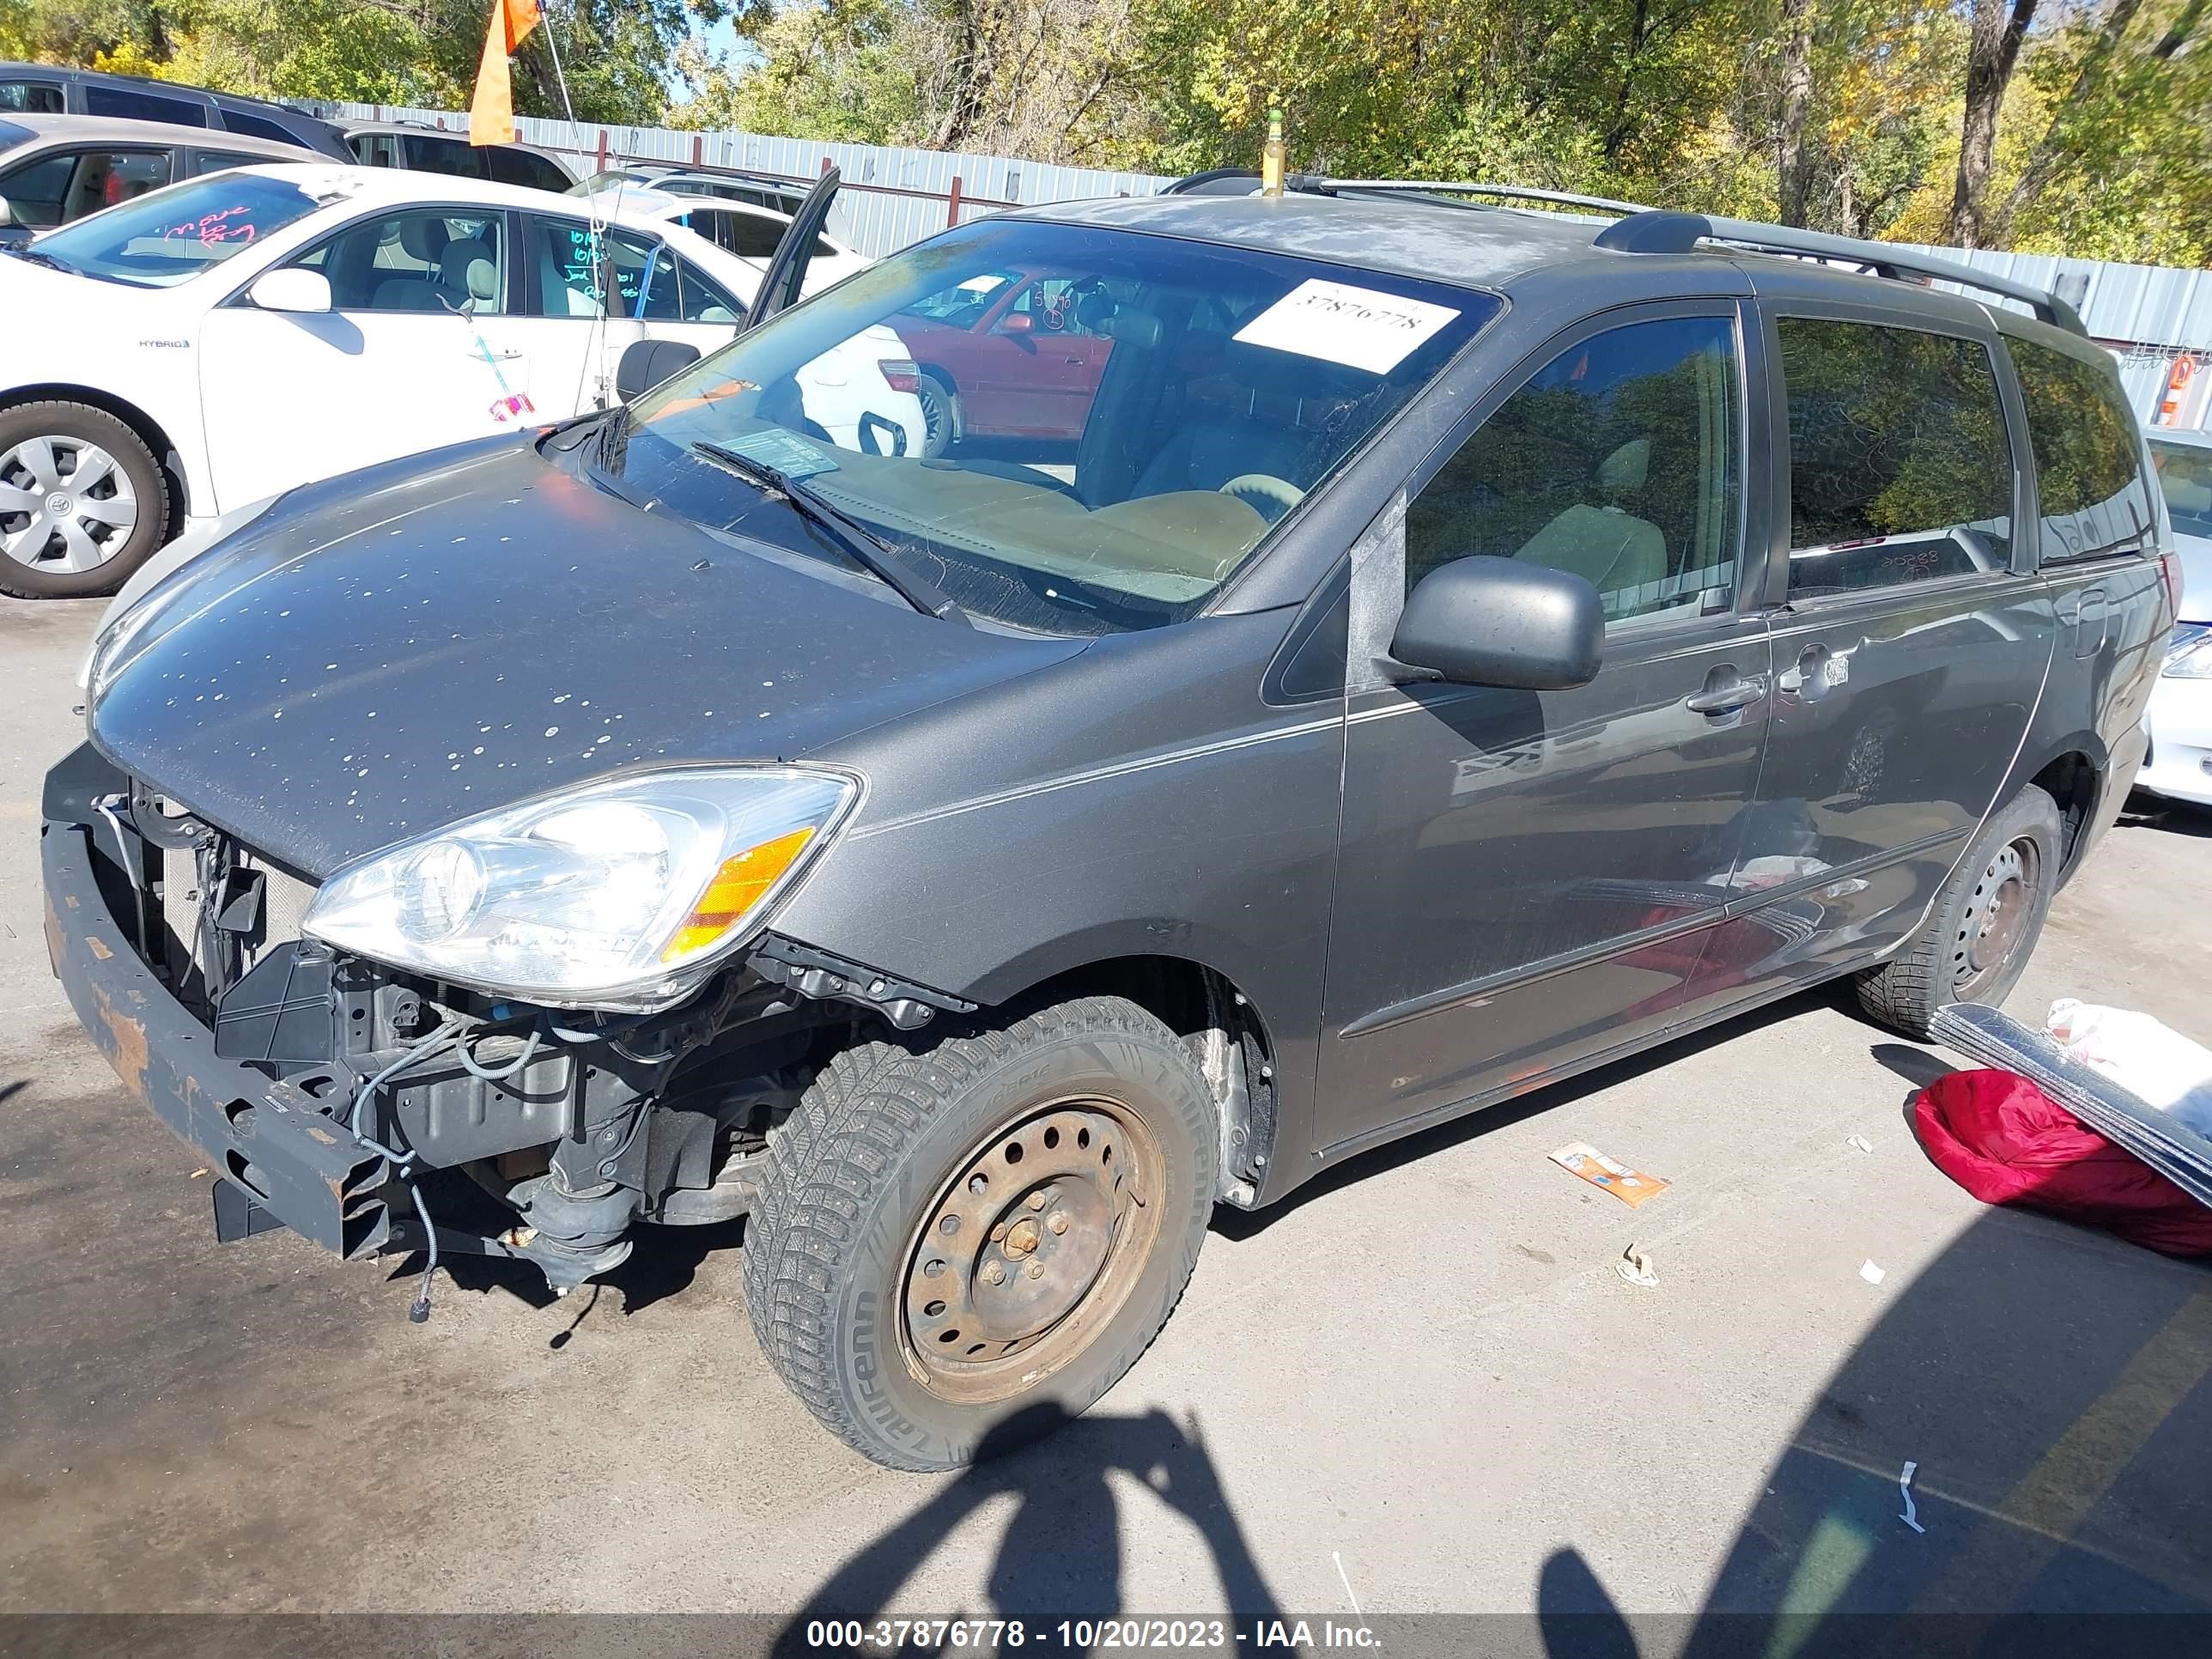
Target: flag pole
560,79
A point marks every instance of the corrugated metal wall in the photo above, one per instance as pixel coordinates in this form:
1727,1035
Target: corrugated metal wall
892,198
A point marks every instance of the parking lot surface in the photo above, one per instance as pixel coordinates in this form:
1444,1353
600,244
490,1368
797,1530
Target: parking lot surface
1419,1386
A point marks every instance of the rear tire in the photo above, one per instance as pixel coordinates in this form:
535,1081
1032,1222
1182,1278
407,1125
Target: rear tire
1985,923
83,502
940,415
959,1246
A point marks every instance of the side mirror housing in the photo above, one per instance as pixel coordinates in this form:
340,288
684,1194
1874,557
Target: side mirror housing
645,363
1017,322
1480,621
7,214
291,290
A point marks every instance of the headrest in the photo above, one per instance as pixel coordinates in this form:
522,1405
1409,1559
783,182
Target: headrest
424,238
1627,467
1140,329
469,262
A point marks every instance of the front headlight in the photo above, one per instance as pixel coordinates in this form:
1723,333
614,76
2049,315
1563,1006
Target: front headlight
623,894
2188,657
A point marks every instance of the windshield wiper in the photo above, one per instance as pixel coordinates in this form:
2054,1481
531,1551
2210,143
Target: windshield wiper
24,251
869,550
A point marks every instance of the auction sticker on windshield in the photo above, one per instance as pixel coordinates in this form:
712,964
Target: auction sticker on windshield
792,456
1338,323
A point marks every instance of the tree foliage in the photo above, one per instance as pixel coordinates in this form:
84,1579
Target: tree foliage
2077,125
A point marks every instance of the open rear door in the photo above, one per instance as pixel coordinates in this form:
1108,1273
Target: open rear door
786,267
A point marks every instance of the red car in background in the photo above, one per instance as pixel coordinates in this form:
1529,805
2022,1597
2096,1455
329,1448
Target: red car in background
979,349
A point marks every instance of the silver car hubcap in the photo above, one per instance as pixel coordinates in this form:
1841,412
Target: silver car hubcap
65,506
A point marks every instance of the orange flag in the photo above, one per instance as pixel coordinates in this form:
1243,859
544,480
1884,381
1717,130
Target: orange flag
491,114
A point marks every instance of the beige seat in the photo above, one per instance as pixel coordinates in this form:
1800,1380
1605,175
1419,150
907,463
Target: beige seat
1612,549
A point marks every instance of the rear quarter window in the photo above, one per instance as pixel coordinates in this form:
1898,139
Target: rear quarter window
2088,458
258,126
1899,467
133,104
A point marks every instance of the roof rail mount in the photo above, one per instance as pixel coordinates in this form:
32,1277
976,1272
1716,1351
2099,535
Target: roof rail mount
1655,232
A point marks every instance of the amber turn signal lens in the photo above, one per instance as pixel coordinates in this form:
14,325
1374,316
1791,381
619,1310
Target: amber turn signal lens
736,889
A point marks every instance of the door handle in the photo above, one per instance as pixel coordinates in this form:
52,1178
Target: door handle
506,356
1727,698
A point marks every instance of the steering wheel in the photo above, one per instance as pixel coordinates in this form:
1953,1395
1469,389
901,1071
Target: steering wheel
1265,494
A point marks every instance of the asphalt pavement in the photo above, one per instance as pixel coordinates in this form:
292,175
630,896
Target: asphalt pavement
1420,1386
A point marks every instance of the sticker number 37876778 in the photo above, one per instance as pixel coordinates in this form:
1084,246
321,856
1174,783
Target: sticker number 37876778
1339,322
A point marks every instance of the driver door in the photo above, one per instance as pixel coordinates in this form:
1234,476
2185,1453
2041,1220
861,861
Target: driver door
1529,877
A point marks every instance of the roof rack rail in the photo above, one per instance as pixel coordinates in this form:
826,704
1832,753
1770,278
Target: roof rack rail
1653,232
1509,192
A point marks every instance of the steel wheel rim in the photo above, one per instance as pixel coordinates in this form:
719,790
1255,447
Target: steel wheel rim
66,505
1997,916
1047,1242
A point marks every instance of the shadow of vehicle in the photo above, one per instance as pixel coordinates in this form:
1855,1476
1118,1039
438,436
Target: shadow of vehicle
1060,1557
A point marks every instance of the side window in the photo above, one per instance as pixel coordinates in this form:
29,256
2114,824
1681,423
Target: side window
430,259
451,156
2088,465
257,126
1899,467
705,301
569,258
133,104
749,235
1617,461
214,160
526,167
57,188
32,97
642,274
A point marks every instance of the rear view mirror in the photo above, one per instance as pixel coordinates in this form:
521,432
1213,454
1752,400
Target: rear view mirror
1480,621
292,289
645,363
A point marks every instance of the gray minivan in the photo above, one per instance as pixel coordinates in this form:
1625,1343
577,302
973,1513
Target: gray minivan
1423,651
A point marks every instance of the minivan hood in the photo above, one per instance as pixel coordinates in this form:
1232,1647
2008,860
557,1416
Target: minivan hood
486,628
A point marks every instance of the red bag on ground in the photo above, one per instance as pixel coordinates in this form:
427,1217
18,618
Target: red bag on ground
2007,1142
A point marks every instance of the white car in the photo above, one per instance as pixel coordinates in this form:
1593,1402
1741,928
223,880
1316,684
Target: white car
2180,765
201,348
741,229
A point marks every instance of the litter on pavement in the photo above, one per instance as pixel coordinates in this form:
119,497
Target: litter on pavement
1872,1274
1630,1186
1912,1515
1636,1268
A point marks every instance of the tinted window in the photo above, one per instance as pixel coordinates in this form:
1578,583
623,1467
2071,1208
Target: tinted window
525,168
137,105
447,155
257,126
179,232
745,234
32,97
706,302
214,160
1617,461
2086,466
568,257
65,186
1899,467
643,274
438,259
2184,476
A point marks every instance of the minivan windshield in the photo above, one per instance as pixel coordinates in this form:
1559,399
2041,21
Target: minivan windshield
170,236
1064,428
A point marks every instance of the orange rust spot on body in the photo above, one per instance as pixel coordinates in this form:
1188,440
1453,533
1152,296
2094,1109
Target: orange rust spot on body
123,1039
327,1139
98,946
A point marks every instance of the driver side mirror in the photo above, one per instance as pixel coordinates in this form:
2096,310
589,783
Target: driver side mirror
12,234
1017,322
293,290
1482,621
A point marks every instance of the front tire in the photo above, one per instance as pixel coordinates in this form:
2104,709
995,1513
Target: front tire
940,415
957,1245
1985,924
82,501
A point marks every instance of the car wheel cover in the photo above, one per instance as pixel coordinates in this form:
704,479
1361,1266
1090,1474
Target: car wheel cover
1996,918
66,505
1030,1250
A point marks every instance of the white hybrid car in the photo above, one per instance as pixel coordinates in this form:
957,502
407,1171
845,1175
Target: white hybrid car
180,358
2180,765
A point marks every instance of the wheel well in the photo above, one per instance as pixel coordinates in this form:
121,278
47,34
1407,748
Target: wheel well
2073,781
148,430
1195,1001
940,373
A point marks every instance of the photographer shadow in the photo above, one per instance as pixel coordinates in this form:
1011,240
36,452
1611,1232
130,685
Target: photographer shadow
1060,1557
